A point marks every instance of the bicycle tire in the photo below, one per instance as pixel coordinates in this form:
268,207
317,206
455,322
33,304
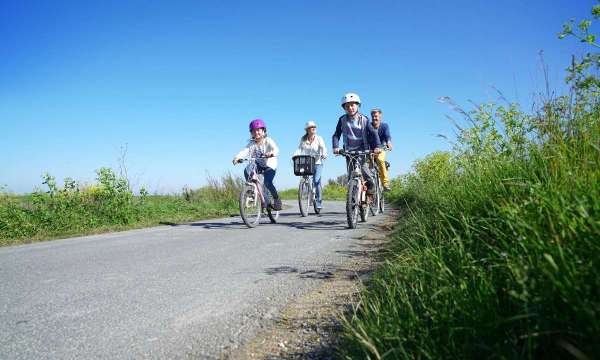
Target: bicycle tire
363,210
303,197
248,205
352,203
374,205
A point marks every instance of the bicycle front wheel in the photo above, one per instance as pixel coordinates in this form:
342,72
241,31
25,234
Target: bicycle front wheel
250,207
352,203
304,197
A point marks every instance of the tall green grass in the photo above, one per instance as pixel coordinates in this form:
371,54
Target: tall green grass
497,254
107,205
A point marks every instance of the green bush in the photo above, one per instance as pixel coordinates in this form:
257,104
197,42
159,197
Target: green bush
109,204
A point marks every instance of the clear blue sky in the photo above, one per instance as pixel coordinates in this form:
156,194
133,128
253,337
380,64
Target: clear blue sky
178,81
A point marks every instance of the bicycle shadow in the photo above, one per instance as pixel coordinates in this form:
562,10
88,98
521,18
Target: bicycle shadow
231,225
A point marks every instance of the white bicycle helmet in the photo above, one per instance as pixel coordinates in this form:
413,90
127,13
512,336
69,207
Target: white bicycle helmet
350,97
310,124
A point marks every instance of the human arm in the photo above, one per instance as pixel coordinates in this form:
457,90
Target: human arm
387,137
272,149
242,154
373,138
322,148
335,139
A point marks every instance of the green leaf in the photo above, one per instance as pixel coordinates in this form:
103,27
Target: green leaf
585,25
596,11
550,260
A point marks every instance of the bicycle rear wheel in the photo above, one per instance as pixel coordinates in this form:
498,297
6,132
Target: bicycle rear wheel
352,203
250,207
304,197
374,205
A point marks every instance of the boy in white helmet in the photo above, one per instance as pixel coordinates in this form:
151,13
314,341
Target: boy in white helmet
358,134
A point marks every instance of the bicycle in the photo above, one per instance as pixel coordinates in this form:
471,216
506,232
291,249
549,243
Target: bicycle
304,166
357,201
379,197
253,203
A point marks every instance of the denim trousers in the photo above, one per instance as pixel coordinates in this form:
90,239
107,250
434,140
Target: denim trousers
317,184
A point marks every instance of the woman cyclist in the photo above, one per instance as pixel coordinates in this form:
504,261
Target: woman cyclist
313,145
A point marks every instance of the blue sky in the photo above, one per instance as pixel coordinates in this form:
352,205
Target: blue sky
178,81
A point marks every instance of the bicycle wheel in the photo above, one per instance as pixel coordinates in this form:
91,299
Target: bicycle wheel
352,203
382,203
303,197
374,204
363,209
250,207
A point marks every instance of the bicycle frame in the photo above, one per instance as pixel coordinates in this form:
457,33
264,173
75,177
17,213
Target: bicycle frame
356,201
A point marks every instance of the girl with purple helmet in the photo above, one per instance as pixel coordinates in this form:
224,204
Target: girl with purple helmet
259,146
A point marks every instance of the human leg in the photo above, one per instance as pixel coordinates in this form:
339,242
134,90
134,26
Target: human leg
383,171
317,184
269,175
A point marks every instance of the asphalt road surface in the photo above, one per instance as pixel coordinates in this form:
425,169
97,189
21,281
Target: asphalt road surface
188,291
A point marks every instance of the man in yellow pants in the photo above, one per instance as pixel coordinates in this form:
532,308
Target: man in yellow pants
386,140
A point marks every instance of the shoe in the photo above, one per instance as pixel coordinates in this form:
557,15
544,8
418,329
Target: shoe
277,204
386,188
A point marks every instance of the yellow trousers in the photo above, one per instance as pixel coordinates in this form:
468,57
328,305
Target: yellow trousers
383,172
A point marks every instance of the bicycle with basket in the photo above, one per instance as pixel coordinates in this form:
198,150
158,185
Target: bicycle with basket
304,166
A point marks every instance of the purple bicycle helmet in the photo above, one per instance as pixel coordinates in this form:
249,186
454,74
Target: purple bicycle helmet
257,124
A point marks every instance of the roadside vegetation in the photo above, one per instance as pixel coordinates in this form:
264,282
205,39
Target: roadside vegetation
497,252
107,205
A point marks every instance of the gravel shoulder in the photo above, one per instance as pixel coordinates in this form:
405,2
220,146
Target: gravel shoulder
306,328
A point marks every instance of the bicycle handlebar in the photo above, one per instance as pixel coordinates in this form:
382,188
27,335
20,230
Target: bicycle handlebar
355,152
252,158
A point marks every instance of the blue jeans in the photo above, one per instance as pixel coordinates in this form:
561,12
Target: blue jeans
268,174
317,184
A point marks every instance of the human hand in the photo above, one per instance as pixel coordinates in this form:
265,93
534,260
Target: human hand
235,161
389,145
336,151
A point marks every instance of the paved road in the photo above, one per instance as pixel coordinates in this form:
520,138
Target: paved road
187,291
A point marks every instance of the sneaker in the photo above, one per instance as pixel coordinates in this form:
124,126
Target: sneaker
386,188
277,204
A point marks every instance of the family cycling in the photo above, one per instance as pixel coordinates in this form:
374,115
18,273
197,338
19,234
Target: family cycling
364,141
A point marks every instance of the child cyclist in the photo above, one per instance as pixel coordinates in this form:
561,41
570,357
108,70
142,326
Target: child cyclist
358,134
261,146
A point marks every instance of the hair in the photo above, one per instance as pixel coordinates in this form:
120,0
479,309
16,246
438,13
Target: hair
376,110
305,136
